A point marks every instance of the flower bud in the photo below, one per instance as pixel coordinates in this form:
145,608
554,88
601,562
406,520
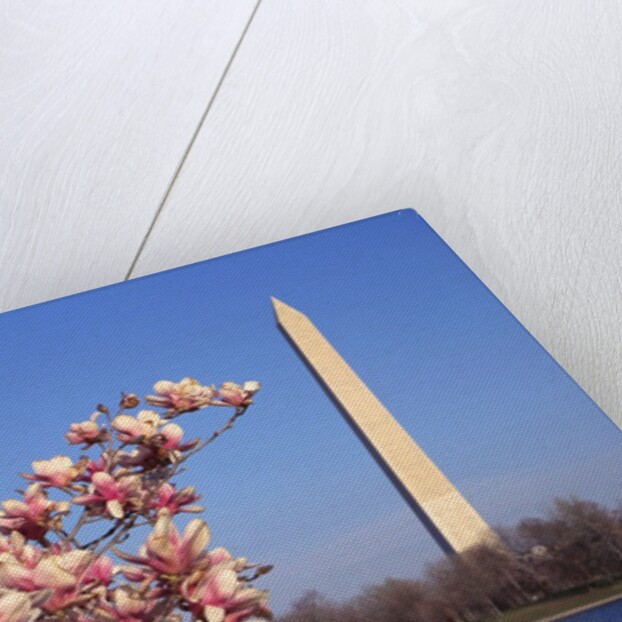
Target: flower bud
129,400
251,387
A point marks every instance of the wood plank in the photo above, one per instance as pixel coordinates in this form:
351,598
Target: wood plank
499,121
98,103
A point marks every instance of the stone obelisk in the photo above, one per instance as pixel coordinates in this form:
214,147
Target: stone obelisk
448,516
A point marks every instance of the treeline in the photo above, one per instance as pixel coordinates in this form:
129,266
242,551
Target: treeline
578,544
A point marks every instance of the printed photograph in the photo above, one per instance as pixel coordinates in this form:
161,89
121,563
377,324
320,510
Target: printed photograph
346,426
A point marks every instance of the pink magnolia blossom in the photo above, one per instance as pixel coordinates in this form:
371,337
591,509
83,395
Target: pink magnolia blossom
62,574
171,438
31,517
220,555
28,569
219,595
162,446
17,561
20,607
136,429
100,571
129,605
59,471
183,396
29,572
167,552
140,456
49,571
87,432
168,445
233,394
113,496
175,501
101,463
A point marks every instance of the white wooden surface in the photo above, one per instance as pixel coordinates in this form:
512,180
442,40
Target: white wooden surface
500,122
98,102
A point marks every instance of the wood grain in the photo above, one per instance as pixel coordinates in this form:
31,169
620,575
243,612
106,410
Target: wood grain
500,122
98,102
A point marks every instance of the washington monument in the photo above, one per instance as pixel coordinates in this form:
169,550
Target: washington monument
447,515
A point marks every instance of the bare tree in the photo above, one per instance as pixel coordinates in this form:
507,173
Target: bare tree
577,545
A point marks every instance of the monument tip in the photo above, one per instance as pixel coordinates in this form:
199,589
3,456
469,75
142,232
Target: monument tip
276,304
282,310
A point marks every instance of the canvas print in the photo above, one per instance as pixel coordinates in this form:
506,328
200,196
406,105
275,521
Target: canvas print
342,427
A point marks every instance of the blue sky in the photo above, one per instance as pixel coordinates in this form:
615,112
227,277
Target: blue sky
291,485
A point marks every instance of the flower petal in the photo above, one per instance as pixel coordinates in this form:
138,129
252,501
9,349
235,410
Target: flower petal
104,483
213,614
196,537
49,574
172,434
115,509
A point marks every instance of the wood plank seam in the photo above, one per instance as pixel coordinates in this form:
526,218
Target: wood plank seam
193,138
